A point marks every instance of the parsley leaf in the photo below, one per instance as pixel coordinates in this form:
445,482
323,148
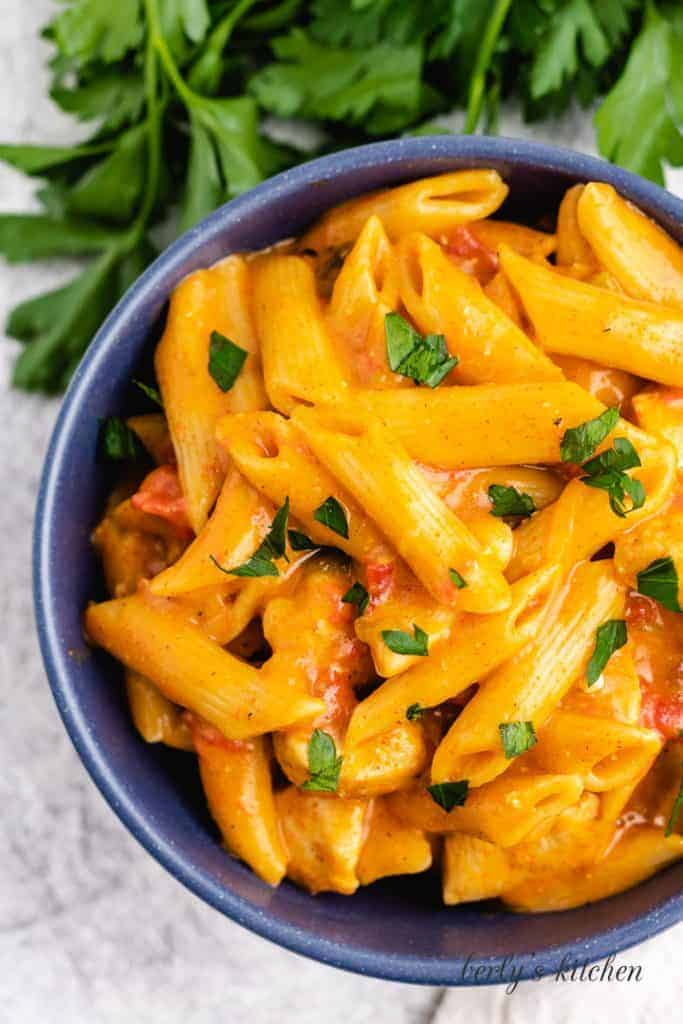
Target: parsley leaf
660,582
226,359
332,515
323,764
377,87
607,473
425,360
507,501
414,712
517,737
262,562
90,30
449,794
152,393
457,579
300,542
400,642
117,442
557,57
609,637
639,122
358,595
579,443
675,811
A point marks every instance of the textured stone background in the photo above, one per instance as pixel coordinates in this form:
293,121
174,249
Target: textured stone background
92,930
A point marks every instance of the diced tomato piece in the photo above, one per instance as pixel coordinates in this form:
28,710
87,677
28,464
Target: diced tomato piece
160,494
643,612
471,254
203,733
663,712
380,577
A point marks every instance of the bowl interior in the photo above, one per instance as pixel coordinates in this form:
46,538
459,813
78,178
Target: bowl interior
394,928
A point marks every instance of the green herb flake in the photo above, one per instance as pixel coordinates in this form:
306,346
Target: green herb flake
579,443
457,579
117,442
449,794
414,712
607,472
300,542
152,393
262,562
660,582
517,737
609,637
508,501
226,359
425,360
675,811
358,595
323,764
400,642
332,515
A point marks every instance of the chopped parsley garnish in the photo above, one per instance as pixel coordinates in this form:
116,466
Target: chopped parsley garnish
262,562
660,582
425,360
152,393
607,473
332,515
400,642
675,811
579,443
449,794
507,501
323,764
300,542
358,595
457,579
226,359
117,441
414,712
516,737
609,637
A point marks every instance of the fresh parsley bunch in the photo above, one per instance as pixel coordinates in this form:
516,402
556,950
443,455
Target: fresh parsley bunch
180,91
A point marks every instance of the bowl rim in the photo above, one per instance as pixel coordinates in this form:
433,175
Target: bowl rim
388,966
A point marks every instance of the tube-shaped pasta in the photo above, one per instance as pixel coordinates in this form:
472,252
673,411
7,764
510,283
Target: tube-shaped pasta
434,205
276,459
390,847
299,359
536,798
364,292
152,429
376,469
237,525
574,318
617,695
478,646
385,763
323,837
478,426
154,716
660,411
572,247
528,688
607,754
442,299
207,301
155,639
537,245
638,853
645,260
239,792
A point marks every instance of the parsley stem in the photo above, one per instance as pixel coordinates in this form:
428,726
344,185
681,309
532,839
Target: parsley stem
158,42
489,41
220,35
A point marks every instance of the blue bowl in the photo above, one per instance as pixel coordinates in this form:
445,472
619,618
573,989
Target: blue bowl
397,928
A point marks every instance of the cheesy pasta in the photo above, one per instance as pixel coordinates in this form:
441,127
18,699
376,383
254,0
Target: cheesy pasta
400,559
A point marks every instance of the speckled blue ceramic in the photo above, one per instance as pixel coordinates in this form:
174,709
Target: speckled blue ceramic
396,928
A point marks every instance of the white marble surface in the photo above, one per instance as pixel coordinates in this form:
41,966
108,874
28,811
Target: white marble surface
92,930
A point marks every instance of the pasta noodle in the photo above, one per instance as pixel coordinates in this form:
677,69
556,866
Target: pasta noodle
400,561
